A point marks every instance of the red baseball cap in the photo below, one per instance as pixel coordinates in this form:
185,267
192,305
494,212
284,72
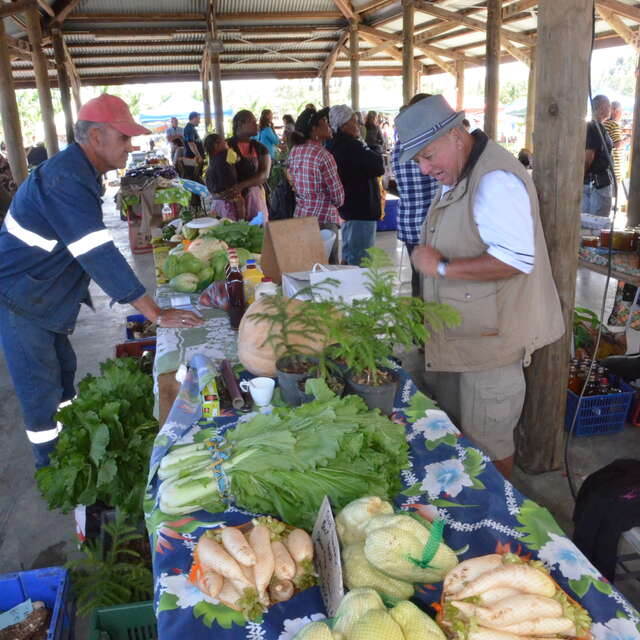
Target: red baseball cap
113,111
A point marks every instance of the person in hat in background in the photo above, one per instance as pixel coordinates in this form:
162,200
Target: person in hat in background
358,168
314,174
482,251
53,242
193,159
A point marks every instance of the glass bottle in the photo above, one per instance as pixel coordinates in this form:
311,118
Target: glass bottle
235,291
575,382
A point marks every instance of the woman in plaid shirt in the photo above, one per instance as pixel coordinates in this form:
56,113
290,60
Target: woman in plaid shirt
314,174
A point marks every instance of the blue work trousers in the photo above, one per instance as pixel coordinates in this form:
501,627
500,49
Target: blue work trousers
42,365
357,237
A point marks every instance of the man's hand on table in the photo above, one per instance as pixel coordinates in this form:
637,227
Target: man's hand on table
178,318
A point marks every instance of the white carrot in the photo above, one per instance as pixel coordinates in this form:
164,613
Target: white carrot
213,557
543,627
300,546
237,546
521,577
285,567
492,634
281,590
495,595
511,611
469,570
260,540
229,595
212,583
249,574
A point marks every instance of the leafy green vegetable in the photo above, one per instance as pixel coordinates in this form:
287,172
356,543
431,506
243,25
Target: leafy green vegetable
189,233
103,451
182,263
185,282
286,462
238,235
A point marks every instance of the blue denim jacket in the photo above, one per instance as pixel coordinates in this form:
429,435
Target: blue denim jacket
53,242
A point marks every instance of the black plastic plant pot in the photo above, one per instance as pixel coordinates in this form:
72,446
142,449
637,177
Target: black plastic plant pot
292,383
380,396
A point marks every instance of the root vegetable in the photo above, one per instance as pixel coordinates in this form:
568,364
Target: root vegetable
281,590
285,567
211,583
229,595
495,595
260,540
300,546
543,627
492,634
213,557
521,577
469,570
236,544
511,611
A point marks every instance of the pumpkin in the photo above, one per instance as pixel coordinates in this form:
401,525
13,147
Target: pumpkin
258,356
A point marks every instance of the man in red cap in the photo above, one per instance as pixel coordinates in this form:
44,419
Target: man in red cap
53,242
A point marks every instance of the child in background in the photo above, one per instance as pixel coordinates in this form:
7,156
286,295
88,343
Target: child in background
220,177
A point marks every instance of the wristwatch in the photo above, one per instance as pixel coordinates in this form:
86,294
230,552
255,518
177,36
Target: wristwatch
441,269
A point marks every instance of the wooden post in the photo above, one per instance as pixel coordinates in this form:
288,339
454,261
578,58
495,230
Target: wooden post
10,115
633,206
408,78
40,70
564,37
492,80
326,94
63,80
355,65
417,83
531,102
216,82
459,85
206,97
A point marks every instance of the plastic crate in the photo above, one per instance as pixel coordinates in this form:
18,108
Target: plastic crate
390,220
135,348
51,586
124,622
602,414
136,317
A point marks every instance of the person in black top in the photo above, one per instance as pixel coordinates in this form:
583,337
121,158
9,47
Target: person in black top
193,148
597,192
37,155
220,179
358,168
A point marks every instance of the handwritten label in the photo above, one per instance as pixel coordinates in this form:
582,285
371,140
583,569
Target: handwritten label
15,615
327,558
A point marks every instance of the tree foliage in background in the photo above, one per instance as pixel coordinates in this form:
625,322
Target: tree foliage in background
510,91
619,77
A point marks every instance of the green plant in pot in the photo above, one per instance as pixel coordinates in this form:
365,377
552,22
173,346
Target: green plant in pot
291,322
363,333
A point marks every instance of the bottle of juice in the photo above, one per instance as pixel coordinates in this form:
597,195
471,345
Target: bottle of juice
252,278
235,291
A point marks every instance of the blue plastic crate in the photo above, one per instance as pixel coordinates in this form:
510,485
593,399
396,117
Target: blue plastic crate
50,585
602,414
390,220
136,317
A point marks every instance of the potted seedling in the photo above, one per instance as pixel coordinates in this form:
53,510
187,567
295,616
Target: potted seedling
363,333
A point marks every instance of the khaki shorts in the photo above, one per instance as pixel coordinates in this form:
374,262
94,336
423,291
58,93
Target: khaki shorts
485,405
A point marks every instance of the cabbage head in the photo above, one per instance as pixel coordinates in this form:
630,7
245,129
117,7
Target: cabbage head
184,283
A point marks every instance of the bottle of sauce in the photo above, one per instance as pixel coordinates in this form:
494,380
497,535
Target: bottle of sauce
235,291
575,382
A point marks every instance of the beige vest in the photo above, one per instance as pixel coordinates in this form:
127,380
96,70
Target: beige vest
503,321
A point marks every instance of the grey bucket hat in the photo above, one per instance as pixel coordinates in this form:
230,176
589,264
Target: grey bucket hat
423,122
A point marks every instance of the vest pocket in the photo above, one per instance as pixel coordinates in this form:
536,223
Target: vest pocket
477,303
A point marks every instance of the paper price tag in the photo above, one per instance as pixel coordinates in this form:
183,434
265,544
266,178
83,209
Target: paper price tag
15,615
327,558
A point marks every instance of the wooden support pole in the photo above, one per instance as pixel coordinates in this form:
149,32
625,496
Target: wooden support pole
216,83
10,115
326,94
63,80
74,78
417,83
459,85
492,79
564,36
408,78
40,69
633,206
354,65
531,101
206,96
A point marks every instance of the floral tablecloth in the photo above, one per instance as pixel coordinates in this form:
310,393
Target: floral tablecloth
624,262
484,514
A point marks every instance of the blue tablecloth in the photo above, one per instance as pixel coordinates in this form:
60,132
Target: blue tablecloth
484,514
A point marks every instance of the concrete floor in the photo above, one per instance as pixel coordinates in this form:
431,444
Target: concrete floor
31,536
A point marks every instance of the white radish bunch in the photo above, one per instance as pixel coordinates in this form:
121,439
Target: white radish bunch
505,598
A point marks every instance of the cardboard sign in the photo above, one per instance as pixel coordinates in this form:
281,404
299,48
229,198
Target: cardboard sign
327,558
291,245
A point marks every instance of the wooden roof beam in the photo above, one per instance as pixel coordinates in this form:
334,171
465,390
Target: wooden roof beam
624,10
330,61
18,6
46,8
62,9
445,66
472,23
346,9
518,7
625,32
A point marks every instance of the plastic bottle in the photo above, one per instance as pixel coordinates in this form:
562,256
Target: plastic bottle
252,278
266,288
167,212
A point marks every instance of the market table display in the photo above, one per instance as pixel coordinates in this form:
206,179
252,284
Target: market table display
448,477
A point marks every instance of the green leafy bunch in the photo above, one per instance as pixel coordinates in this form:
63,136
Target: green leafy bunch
238,234
112,574
103,450
364,332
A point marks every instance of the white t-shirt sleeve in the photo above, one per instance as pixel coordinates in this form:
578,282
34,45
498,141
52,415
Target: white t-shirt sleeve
502,211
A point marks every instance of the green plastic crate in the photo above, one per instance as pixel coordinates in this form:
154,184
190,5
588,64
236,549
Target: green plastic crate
125,622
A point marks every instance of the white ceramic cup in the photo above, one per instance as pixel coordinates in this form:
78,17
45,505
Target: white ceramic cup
261,390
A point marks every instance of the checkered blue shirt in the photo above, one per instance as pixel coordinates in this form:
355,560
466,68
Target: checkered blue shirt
416,192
